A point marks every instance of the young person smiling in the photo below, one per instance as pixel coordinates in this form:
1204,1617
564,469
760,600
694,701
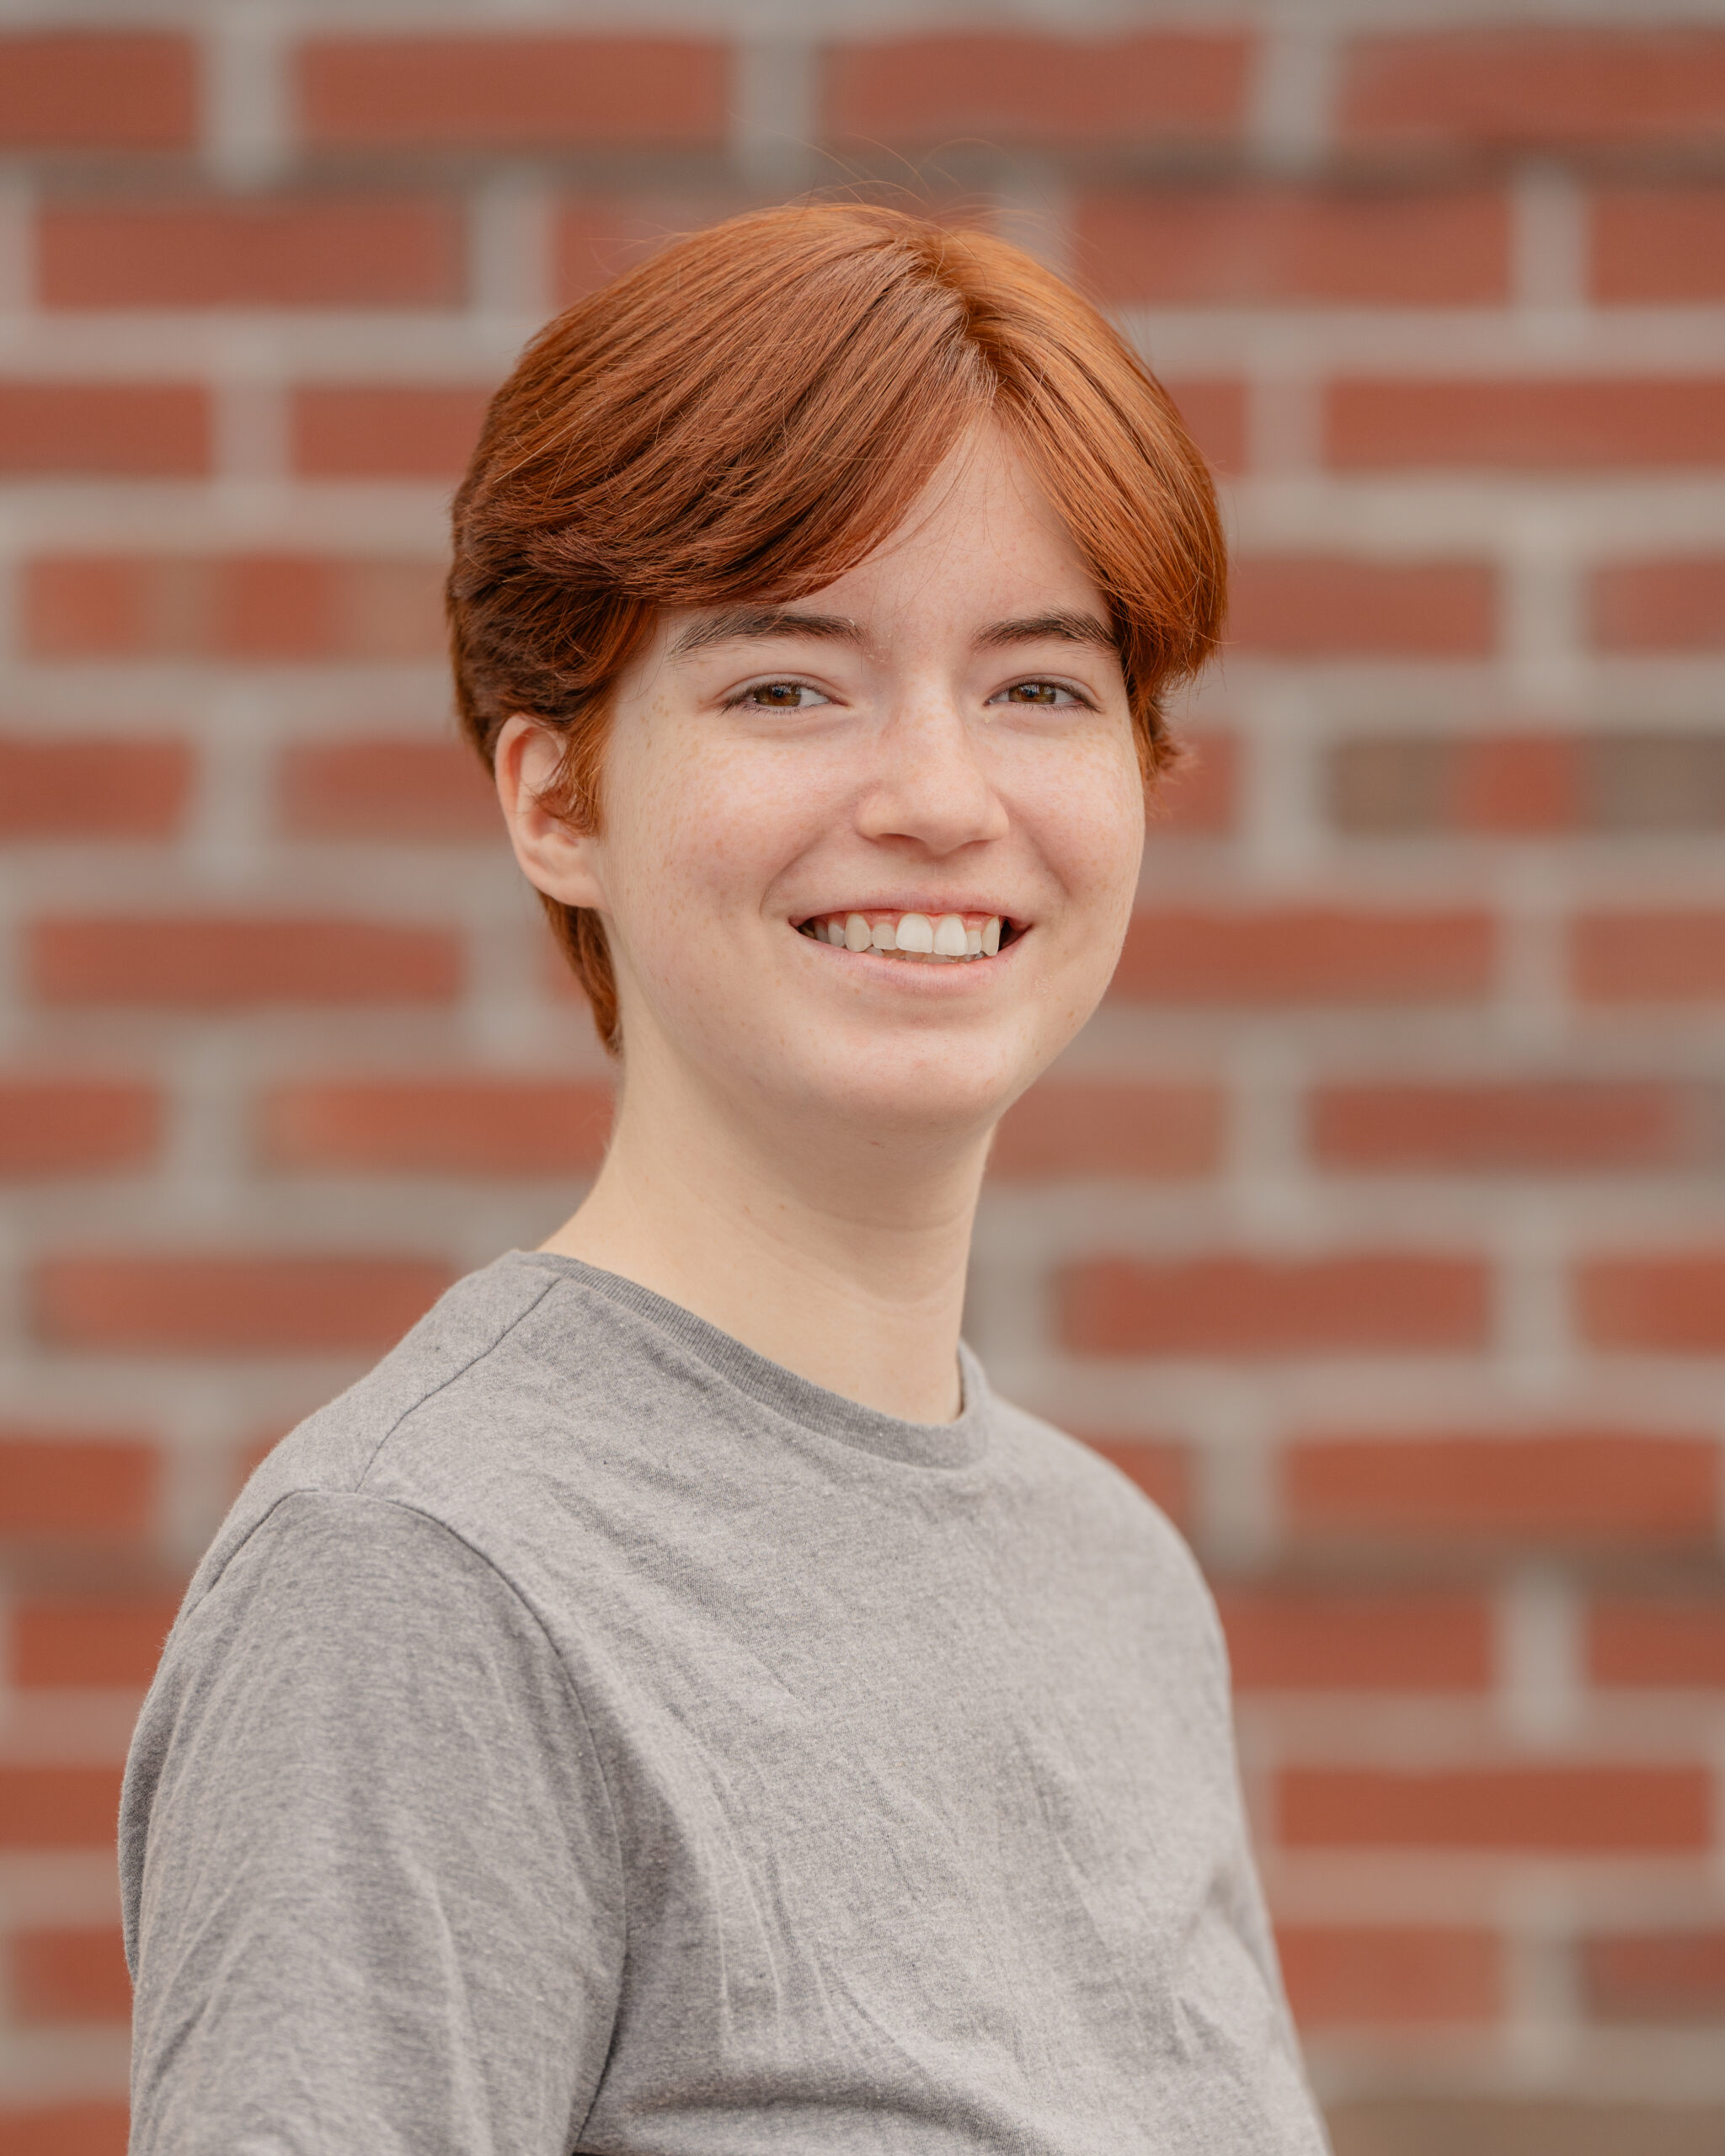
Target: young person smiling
671,1705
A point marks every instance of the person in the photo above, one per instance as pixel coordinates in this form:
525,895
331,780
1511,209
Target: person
671,1705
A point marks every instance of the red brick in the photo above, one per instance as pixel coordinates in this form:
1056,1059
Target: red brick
1653,244
1529,425
1550,1488
232,1304
1363,1975
76,1126
1512,785
1675,955
1535,1126
487,1126
58,1807
1381,1302
311,251
1162,1471
383,789
1676,603
1573,1809
194,963
115,431
1671,1304
1389,785
1214,413
70,1975
97,90
398,431
1527,785
1294,1639
1299,954
1086,1127
1197,799
1510,86
100,1643
1654,1976
92,2129
1336,606
1270,245
513,93
1672,1639
93,788
1644,782
67,1488
1020,89
249,608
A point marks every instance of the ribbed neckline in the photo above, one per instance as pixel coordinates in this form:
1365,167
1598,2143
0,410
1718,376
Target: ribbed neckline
959,1444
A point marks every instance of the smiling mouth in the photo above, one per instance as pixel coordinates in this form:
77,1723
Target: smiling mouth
937,939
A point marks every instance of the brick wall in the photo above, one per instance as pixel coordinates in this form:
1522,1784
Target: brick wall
1375,1222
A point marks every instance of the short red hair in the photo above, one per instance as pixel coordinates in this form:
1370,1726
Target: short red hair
747,414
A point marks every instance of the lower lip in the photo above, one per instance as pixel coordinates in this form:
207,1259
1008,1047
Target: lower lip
923,977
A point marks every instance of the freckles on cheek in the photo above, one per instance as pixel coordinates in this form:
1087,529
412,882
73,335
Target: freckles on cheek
1090,814
702,844
662,780
758,814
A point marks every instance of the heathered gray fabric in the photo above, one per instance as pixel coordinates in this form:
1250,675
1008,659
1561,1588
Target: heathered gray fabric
584,1735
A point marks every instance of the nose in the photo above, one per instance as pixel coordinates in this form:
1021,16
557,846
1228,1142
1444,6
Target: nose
930,784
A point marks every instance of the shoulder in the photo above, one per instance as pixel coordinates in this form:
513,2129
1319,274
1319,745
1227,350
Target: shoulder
459,1341
332,1685
1109,1523
1049,1460
503,1360
341,1610
321,1571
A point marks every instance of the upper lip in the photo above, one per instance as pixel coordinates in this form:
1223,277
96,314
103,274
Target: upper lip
933,908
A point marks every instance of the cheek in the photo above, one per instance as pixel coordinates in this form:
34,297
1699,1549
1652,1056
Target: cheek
702,827
1089,811
653,831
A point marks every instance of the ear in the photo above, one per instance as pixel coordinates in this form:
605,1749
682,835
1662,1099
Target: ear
555,858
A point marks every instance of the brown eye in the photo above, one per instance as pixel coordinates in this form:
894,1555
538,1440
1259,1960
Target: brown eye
779,696
1047,693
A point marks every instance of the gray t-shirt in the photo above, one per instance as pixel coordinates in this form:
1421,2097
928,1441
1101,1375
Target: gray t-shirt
585,1735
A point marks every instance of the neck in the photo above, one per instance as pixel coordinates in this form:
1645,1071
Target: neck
842,1259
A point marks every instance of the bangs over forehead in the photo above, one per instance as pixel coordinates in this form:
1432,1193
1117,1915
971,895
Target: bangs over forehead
747,414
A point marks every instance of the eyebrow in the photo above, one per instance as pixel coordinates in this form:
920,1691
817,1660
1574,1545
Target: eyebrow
754,624
750,624
1038,628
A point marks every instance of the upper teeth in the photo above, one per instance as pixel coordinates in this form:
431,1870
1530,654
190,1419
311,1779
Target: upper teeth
915,935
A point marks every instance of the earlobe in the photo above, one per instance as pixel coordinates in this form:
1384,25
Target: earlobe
555,856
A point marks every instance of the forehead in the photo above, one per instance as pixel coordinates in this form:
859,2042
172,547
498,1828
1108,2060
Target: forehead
980,552
982,525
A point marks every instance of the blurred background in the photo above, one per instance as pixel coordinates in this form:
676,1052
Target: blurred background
1377,1223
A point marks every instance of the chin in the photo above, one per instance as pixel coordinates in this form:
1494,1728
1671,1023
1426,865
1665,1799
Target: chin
910,1090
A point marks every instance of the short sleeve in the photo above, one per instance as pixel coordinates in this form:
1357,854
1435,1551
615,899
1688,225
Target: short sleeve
373,1893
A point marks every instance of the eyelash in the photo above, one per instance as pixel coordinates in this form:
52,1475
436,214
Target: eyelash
740,696
1037,682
